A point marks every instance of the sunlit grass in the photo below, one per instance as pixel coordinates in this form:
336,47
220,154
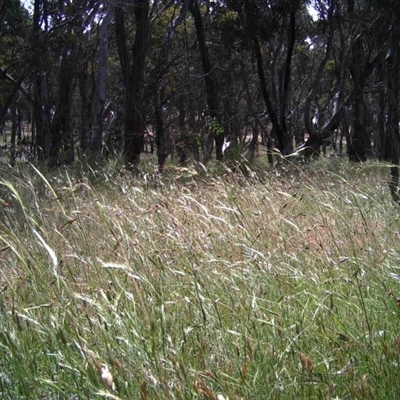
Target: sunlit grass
192,285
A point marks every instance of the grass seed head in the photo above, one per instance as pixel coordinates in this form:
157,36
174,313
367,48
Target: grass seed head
104,374
107,378
307,364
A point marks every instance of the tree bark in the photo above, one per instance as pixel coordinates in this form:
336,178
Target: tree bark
357,147
384,149
133,73
9,98
3,11
209,79
41,107
160,135
393,66
61,134
157,79
276,127
284,96
315,137
257,119
42,117
99,97
14,122
85,109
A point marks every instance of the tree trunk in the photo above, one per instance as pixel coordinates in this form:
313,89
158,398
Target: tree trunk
7,100
284,95
3,11
315,137
276,128
393,66
384,144
42,117
84,108
133,73
61,133
41,91
160,134
99,97
14,123
210,82
357,148
157,80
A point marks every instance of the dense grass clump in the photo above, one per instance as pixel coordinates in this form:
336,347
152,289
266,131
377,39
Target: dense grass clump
192,286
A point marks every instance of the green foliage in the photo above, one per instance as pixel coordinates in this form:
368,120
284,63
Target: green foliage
215,127
15,19
12,34
330,65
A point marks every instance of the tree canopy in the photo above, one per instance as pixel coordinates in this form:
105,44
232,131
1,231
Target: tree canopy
99,78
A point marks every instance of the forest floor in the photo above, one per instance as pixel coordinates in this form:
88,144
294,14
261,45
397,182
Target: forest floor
199,284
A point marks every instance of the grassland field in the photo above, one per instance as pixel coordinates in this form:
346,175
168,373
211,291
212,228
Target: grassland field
200,283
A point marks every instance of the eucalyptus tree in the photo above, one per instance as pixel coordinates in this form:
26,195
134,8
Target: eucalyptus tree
105,16
132,55
364,25
393,120
190,120
56,34
392,66
270,28
210,84
237,82
14,23
40,75
350,42
328,93
165,57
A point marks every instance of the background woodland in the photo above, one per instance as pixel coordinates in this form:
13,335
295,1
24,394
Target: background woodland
96,79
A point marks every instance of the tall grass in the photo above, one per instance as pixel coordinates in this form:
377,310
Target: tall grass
193,286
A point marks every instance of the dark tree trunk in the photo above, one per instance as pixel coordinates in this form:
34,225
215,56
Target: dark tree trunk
254,142
3,11
209,79
384,143
280,134
84,109
41,107
157,80
160,134
8,99
382,147
316,137
357,146
393,67
14,123
276,104
99,97
133,73
20,139
42,117
61,133
284,95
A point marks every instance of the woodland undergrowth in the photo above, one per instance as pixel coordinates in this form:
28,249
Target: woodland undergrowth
199,284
